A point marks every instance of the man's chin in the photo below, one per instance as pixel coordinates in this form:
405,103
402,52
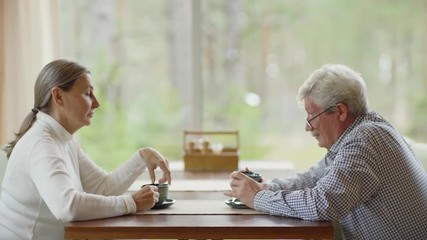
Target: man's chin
320,144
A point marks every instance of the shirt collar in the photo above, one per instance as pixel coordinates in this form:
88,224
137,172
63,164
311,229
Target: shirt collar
58,129
372,115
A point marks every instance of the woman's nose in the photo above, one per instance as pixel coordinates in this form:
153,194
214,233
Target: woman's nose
95,103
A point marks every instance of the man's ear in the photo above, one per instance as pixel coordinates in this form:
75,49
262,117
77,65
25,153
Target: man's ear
57,96
343,110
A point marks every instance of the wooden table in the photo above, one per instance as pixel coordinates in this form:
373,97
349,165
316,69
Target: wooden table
199,226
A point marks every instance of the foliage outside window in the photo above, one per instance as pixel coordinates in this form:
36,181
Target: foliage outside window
253,57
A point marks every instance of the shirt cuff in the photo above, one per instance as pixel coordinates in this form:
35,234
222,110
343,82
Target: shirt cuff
130,204
262,197
138,159
273,186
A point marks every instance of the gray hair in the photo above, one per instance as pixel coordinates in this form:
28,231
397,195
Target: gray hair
335,83
59,73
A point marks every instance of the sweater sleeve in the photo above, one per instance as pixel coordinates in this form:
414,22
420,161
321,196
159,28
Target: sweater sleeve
96,180
67,194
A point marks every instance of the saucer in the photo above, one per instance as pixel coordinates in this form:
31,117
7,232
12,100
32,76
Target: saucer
167,203
235,203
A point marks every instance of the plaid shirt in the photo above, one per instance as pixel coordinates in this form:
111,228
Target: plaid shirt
370,181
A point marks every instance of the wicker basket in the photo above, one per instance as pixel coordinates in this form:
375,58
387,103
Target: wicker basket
211,150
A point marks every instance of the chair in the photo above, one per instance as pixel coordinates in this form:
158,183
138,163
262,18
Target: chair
3,163
420,149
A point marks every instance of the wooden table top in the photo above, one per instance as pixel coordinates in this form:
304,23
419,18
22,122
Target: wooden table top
196,226
200,226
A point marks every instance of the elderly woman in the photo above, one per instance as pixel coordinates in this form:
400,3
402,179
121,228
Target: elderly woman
370,181
50,180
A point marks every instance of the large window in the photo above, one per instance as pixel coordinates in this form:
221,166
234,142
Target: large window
162,67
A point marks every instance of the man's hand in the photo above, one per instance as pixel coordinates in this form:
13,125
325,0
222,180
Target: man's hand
244,188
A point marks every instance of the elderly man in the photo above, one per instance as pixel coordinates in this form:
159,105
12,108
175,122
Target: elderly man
370,181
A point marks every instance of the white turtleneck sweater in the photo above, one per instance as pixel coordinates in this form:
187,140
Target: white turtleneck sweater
49,180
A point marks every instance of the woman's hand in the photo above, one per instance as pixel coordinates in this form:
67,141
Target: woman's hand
145,198
154,159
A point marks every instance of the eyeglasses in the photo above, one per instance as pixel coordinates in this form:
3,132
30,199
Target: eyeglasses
318,115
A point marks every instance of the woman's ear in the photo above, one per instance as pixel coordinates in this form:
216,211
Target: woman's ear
57,96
